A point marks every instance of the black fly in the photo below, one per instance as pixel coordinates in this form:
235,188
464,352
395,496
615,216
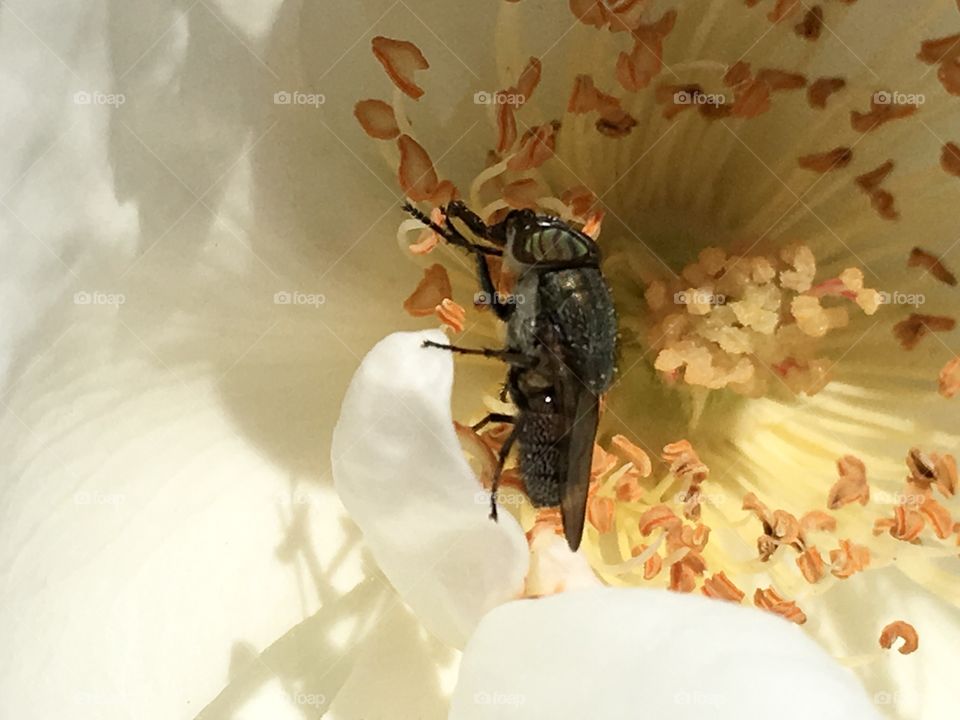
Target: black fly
561,338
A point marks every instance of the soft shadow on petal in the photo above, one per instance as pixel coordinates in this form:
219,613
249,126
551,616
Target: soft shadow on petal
616,653
400,472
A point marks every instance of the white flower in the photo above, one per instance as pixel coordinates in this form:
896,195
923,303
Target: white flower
197,244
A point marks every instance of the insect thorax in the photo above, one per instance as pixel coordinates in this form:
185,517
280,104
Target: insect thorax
550,244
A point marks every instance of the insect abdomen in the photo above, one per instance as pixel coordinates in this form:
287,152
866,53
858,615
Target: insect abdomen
541,456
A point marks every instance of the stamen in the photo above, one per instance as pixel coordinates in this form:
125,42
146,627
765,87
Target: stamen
903,630
401,59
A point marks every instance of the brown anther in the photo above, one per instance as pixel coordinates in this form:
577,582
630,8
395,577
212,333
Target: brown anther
536,147
636,69
451,314
950,159
818,520
580,200
401,59
602,461
590,12
921,258
771,601
781,79
786,528
600,513
812,24
907,524
659,516
848,559
720,587
529,79
903,630
922,469
684,461
432,290
811,564
751,503
652,565
615,124
852,485
428,239
683,578
632,453
821,89
506,127
879,114
416,174
628,488
783,9
938,517
882,201
912,330
585,97
377,119
949,379
737,74
946,468
835,159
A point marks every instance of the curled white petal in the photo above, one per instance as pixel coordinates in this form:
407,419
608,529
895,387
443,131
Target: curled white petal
401,473
626,653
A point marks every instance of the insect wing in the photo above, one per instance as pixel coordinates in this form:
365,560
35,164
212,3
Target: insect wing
580,407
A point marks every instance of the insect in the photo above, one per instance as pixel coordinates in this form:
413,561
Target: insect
560,349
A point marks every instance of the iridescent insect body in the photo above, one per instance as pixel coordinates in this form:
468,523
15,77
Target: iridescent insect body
560,349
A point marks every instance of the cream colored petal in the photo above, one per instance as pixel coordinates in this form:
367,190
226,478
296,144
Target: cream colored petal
399,470
615,653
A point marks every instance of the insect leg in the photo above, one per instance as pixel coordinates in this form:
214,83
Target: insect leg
501,459
508,356
450,233
477,226
493,417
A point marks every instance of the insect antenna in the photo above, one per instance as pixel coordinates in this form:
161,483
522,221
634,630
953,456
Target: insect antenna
450,233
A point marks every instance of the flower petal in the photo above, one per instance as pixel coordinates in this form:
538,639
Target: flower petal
664,655
401,473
